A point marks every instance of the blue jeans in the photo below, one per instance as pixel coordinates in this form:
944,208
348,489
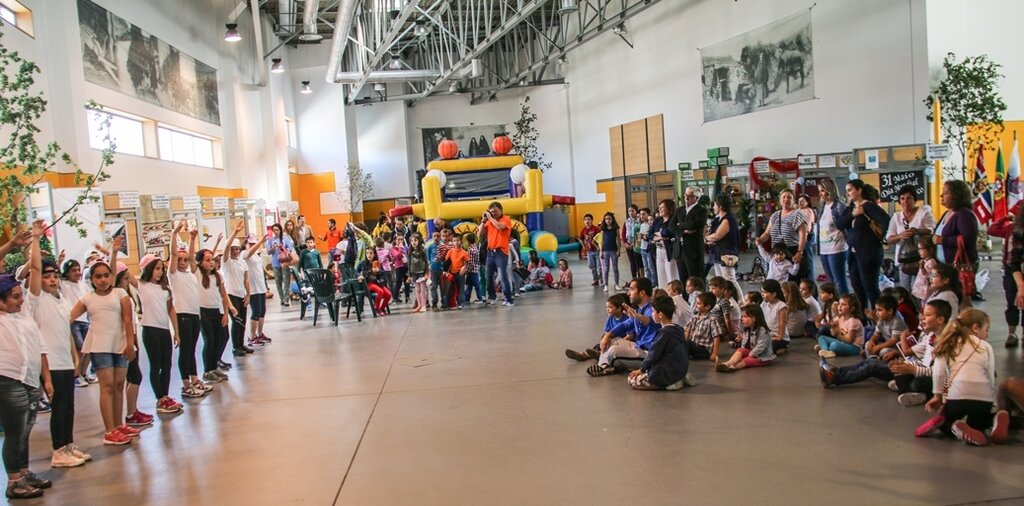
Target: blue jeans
650,269
870,368
595,267
610,263
498,261
835,268
18,404
472,282
838,347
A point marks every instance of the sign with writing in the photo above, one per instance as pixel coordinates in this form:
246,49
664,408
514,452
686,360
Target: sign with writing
220,203
938,152
891,182
871,159
686,175
827,161
242,203
737,171
761,167
191,203
161,201
807,161
127,200
684,166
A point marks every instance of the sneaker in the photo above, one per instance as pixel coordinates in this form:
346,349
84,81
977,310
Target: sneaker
254,343
264,338
115,437
828,356
247,350
224,366
139,419
827,374
930,427
1012,341
600,370
592,353
36,481
22,489
724,367
237,352
968,435
677,385
911,399
73,448
80,382
44,406
1000,427
508,303
210,377
92,379
202,386
690,380
490,302
577,356
129,431
605,288
221,375
892,386
595,283
168,405
62,457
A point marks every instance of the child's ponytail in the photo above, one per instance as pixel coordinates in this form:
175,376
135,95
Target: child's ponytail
951,341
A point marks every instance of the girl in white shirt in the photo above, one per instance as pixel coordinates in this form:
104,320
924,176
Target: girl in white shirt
72,288
158,318
963,374
111,343
775,314
213,297
50,312
185,287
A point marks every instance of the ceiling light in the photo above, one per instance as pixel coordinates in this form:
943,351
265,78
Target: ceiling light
232,34
306,90
380,87
620,29
277,67
453,87
568,7
562,60
396,61
421,29
311,37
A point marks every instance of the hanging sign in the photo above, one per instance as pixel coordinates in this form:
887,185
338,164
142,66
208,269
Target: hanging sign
807,161
938,152
737,171
127,200
827,161
871,159
761,167
161,202
220,203
191,203
242,203
686,175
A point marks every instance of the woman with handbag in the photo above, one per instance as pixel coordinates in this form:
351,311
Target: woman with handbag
864,224
788,228
904,229
723,241
282,256
960,225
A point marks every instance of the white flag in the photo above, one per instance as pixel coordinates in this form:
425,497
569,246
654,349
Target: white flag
1013,188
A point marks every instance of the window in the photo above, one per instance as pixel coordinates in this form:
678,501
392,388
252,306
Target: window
126,133
292,134
184,147
14,13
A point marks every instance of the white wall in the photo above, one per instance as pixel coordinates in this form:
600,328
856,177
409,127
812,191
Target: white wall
383,148
196,27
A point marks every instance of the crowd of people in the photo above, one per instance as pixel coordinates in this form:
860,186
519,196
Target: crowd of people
67,325
919,336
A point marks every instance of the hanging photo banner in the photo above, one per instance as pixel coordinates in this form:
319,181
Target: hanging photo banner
128,200
191,203
807,161
161,201
220,203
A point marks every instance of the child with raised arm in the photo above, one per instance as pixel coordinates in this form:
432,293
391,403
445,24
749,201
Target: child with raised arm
667,364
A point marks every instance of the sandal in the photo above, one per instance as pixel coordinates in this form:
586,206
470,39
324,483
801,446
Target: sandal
21,489
36,481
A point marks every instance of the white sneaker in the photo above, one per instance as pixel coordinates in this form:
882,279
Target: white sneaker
79,453
689,380
605,288
911,399
62,457
892,386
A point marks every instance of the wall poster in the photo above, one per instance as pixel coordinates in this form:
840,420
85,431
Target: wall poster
473,140
767,67
121,56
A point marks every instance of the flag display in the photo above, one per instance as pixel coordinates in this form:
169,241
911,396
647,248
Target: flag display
1013,189
983,204
999,208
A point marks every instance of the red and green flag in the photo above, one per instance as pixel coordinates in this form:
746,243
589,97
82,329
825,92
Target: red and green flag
1000,208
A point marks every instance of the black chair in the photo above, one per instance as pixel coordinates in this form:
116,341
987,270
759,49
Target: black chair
322,281
353,292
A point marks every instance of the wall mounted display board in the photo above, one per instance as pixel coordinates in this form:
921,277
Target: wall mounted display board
889,184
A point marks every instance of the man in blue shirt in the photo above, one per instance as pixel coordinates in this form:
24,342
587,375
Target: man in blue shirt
631,339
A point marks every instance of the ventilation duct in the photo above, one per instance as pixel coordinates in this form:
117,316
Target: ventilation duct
388,76
342,25
309,22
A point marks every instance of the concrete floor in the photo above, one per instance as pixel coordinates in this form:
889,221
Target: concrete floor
481,406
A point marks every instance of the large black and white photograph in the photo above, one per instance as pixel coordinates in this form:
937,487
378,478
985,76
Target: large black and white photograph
767,67
473,140
121,56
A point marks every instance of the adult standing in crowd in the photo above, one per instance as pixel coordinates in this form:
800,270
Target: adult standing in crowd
303,231
292,231
629,231
832,240
958,222
723,240
281,248
865,224
787,227
332,237
664,241
1011,229
688,224
803,203
498,229
904,229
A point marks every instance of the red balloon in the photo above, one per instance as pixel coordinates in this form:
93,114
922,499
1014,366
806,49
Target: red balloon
501,145
448,149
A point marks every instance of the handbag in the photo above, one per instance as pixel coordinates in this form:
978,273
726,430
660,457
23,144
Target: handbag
284,257
964,269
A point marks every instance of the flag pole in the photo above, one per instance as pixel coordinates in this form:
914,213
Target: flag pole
936,202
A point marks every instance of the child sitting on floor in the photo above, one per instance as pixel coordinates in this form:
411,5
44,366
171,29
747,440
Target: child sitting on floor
775,314
905,305
913,373
727,307
615,306
888,327
694,287
809,291
667,364
963,381
847,331
683,313
827,299
756,348
796,310
704,331
564,276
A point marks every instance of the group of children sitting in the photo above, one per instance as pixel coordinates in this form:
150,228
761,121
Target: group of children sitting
932,354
